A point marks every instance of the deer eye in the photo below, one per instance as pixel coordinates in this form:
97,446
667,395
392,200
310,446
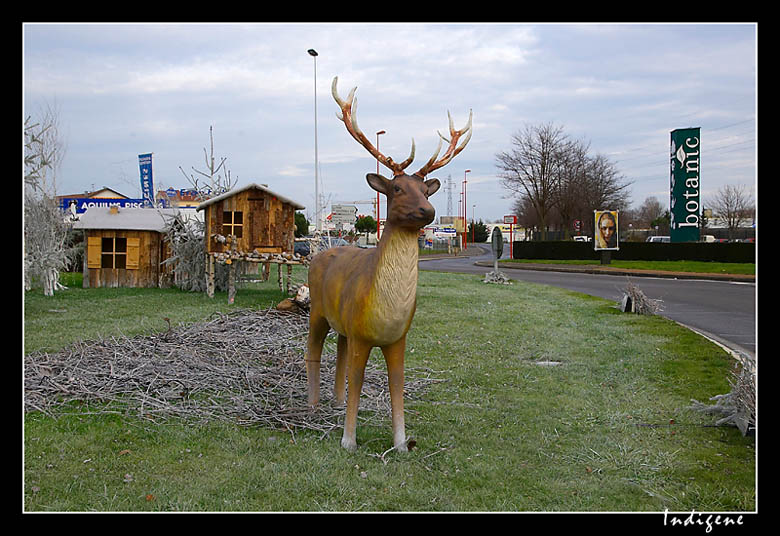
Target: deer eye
397,189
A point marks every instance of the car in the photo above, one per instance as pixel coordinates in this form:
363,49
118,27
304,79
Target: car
332,242
658,239
302,248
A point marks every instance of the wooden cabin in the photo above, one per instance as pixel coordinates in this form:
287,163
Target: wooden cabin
262,221
125,247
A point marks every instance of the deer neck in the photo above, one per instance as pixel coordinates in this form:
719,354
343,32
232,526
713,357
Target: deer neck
395,281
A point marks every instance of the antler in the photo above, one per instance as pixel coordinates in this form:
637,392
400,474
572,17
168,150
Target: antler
349,117
451,151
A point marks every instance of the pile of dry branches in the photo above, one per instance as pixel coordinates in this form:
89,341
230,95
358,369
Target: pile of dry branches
245,367
737,407
635,301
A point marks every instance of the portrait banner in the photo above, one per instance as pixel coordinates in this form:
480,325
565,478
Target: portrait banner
606,225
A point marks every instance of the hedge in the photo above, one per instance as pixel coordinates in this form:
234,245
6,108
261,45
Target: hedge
639,251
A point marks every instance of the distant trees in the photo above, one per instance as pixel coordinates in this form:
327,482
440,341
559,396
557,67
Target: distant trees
365,224
301,225
733,206
477,232
555,180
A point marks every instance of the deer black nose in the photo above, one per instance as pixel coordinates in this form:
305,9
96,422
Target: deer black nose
427,213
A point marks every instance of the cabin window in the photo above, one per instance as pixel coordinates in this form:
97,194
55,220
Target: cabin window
113,252
233,223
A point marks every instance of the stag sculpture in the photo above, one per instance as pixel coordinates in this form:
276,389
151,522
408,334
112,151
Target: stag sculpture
369,296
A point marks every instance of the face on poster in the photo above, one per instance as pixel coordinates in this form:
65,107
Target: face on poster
606,230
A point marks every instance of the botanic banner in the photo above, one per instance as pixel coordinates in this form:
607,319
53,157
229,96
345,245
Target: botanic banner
684,191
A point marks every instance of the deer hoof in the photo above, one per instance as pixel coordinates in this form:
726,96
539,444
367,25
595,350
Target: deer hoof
349,444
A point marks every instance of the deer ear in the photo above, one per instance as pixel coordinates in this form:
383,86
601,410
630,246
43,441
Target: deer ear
433,186
378,182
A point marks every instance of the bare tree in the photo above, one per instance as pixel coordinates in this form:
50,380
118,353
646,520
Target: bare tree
649,211
186,236
567,196
532,167
45,239
603,189
217,183
44,149
733,205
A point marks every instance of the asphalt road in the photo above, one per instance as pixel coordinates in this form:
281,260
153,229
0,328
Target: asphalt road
722,310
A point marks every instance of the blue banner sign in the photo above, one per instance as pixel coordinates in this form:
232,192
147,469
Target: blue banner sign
79,205
147,186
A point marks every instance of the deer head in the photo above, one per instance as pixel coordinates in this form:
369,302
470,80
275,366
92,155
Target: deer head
407,199
368,296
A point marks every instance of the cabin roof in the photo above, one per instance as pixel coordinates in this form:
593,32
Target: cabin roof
231,193
128,219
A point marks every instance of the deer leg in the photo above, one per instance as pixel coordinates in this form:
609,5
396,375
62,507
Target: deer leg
318,330
394,357
339,388
357,355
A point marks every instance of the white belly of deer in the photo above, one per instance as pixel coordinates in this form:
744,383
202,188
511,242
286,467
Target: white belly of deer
395,289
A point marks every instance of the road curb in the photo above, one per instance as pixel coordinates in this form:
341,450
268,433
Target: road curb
601,270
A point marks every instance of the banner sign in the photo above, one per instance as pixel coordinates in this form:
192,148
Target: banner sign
684,191
79,205
444,232
147,186
606,225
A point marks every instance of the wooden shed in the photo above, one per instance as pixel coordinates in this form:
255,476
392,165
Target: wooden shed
262,221
125,247
251,224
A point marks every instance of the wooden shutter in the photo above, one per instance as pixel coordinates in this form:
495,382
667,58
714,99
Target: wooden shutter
133,253
93,251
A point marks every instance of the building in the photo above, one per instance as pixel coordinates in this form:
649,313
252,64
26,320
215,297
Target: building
73,205
125,247
252,224
261,221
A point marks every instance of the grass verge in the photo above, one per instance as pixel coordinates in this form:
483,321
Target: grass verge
553,401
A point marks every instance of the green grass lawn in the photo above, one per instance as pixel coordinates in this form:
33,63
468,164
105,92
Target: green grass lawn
702,267
607,429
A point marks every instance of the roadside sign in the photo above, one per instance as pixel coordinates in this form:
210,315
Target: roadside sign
341,214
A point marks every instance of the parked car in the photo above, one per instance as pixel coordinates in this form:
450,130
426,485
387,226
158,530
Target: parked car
658,239
332,242
302,248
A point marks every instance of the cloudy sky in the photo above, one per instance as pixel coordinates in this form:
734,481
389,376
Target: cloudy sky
126,89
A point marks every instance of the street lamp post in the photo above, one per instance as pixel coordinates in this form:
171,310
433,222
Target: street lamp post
465,229
377,194
473,220
318,225
460,214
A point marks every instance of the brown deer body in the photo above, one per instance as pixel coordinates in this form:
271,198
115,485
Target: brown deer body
368,296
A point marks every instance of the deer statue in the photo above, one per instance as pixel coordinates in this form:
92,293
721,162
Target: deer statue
369,296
